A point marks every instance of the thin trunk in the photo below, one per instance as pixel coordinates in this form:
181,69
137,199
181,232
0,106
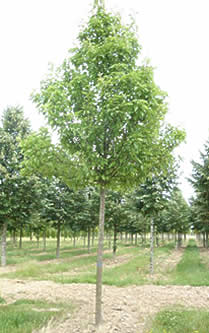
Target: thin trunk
206,239
20,240
121,236
84,241
185,237
98,314
203,239
126,237
132,238
31,234
152,247
3,244
44,240
109,240
163,238
14,237
93,237
58,240
74,241
115,241
89,239
136,239
157,239
179,240
37,236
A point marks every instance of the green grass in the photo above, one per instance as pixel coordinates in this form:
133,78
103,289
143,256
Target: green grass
180,320
76,266
25,315
190,270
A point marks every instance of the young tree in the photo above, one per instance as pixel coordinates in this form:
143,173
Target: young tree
107,111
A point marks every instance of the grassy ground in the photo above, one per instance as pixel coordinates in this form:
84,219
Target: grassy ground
76,266
129,267
176,320
191,270
25,315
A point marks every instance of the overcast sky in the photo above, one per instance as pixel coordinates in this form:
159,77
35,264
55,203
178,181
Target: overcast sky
173,34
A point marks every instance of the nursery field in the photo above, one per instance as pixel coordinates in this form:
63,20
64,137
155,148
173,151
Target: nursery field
40,293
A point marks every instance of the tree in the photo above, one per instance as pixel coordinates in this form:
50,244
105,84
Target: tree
107,111
200,182
17,193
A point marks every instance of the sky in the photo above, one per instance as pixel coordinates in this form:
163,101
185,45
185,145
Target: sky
173,35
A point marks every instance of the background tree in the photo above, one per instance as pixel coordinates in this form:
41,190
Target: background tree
200,182
17,193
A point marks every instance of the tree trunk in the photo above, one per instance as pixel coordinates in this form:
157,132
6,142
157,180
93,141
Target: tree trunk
132,238
37,236
58,240
31,234
14,238
93,237
136,240
157,239
109,240
84,241
152,247
115,241
44,240
185,237
3,244
74,241
179,240
89,239
126,237
98,314
206,239
20,240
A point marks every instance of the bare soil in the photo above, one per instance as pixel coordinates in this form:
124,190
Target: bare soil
126,310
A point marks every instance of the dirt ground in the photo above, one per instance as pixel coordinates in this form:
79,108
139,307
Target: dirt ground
126,310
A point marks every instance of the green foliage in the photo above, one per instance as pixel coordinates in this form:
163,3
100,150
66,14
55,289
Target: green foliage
175,320
200,182
177,213
107,110
24,315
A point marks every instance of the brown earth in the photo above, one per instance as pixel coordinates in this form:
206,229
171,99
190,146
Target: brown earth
126,310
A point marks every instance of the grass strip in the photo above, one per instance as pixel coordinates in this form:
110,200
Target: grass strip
25,315
190,270
176,320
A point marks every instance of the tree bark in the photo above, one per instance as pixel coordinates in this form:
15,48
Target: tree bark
206,239
58,240
99,268
3,244
20,240
152,247
44,240
37,236
93,237
89,239
115,241
136,239
14,238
